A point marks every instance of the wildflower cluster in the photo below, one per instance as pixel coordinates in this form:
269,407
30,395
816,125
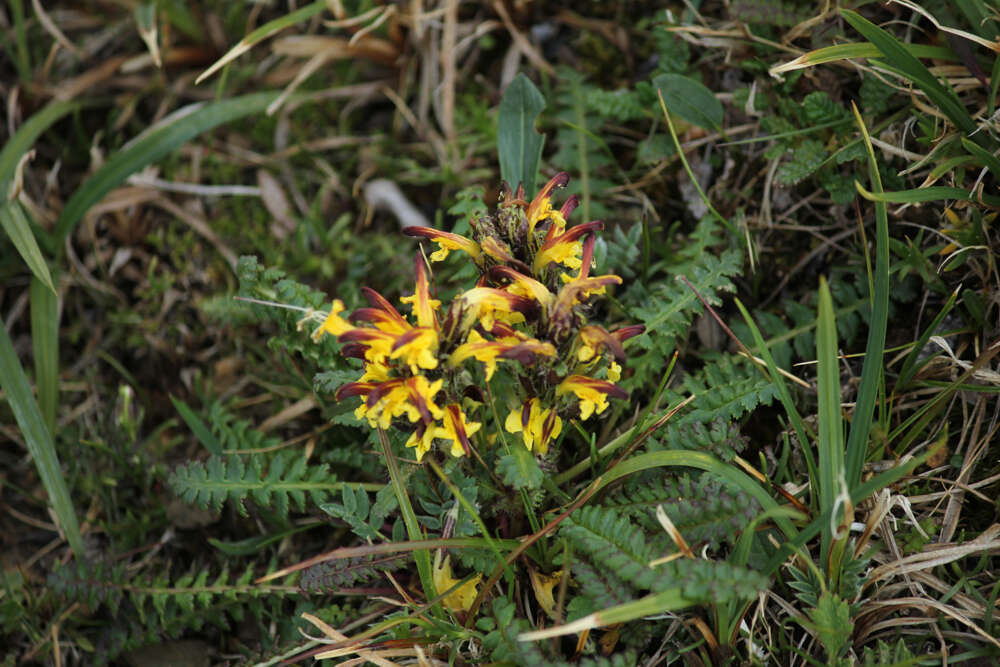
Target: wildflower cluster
527,311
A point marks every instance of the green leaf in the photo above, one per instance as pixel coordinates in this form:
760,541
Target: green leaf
989,159
520,470
829,54
263,32
197,427
873,370
45,344
700,461
932,193
15,223
690,100
519,146
38,439
831,621
831,435
25,138
252,545
153,145
899,59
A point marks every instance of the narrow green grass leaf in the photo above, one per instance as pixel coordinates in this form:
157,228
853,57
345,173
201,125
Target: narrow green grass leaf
784,395
25,137
873,370
831,430
202,432
15,224
829,54
900,59
151,147
45,345
40,444
921,195
413,529
951,164
262,33
518,144
910,363
861,492
988,158
690,100
701,461
21,56
669,600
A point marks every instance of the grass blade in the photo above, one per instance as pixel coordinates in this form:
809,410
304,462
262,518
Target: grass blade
781,386
701,461
26,135
15,223
422,558
921,195
831,430
202,432
910,363
829,54
262,33
987,158
40,444
45,344
912,69
158,143
872,372
518,144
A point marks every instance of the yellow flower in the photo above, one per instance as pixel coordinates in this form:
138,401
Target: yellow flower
566,248
544,586
540,207
487,304
421,302
457,429
418,348
461,598
593,393
537,425
446,242
377,344
521,348
523,286
334,323
484,351
614,372
422,438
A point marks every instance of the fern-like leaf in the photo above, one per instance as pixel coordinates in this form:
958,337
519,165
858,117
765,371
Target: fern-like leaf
704,511
289,480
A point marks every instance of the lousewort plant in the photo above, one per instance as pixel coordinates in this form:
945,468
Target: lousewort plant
528,312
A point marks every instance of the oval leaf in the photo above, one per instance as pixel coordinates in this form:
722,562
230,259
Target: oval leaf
690,100
519,146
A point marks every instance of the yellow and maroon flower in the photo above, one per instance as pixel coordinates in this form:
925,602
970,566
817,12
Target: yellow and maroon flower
540,207
523,349
522,285
536,424
488,304
446,242
566,248
592,339
334,323
593,393
457,429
